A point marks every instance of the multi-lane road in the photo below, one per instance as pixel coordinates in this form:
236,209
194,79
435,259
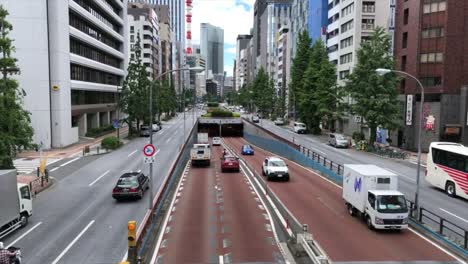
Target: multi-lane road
317,202
76,220
216,217
455,210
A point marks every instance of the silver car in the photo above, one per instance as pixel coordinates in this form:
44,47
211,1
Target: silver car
338,140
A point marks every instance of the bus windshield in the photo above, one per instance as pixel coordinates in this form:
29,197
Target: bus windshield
391,204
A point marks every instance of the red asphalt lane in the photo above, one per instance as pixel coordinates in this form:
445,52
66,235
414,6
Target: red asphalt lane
216,214
318,203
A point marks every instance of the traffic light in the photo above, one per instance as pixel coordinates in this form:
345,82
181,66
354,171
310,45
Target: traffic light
131,226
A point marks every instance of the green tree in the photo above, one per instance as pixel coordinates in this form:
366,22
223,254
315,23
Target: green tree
299,66
135,90
15,128
263,92
374,96
327,95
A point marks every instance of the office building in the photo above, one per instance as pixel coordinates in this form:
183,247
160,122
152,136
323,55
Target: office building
166,37
212,47
349,23
310,15
143,23
429,44
267,16
242,44
73,58
282,76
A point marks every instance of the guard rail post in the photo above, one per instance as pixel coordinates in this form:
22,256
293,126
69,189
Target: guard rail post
420,215
466,239
308,153
441,226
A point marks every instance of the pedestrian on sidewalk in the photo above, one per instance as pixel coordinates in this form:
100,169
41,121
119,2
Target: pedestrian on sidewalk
5,255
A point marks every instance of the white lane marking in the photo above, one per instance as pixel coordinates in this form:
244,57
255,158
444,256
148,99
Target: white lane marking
125,256
416,163
133,152
399,174
452,214
157,151
437,246
320,152
96,180
166,220
169,139
54,169
23,235
162,132
73,242
66,163
221,259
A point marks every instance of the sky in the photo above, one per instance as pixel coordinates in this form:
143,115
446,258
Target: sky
234,16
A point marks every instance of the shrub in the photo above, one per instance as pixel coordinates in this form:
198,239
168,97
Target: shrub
212,104
217,112
99,131
111,143
358,136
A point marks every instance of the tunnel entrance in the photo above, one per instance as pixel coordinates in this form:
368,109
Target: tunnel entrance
230,127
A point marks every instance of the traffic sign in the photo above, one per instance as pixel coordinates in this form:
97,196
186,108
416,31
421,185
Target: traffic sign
149,150
149,159
115,123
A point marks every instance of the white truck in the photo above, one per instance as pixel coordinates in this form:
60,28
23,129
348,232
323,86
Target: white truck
15,203
372,193
200,154
202,138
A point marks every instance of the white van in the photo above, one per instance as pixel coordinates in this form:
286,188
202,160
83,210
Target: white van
299,128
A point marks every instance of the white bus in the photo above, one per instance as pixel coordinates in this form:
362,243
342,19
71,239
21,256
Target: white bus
447,168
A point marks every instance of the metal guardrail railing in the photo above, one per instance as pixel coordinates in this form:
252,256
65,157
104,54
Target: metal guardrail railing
334,166
447,229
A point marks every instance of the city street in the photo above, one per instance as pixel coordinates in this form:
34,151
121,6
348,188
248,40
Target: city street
453,209
77,220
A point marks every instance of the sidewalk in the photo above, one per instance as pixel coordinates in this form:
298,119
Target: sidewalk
72,150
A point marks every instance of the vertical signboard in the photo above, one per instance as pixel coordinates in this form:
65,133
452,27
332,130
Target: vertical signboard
409,109
391,24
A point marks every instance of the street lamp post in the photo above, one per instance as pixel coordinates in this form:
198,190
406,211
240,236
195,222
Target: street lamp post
418,173
158,78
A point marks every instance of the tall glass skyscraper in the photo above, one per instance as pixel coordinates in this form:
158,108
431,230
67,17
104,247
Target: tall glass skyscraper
212,47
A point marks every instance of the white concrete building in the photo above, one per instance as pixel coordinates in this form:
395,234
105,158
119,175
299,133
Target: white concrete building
143,21
73,57
278,15
350,22
283,64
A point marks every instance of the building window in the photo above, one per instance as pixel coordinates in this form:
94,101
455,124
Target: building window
78,23
85,74
432,32
132,38
403,63
101,16
347,58
87,51
432,6
344,74
432,57
431,81
404,40
333,48
81,97
347,10
132,29
368,7
405,16
368,24
346,42
347,26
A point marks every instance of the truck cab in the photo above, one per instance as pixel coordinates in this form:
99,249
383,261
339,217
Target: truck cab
386,209
25,198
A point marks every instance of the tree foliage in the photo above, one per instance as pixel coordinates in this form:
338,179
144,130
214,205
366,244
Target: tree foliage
15,129
375,97
299,66
134,99
263,92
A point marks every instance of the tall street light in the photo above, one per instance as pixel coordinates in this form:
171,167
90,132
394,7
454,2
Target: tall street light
418,173
158,78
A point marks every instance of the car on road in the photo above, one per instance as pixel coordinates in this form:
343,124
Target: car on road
247,150
299,128
131,185
216,141
229,163
145,131
255,119
156,127
274,167
279,121
338,140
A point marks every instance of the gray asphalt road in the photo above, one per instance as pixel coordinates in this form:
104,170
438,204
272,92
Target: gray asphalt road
77,221
455,210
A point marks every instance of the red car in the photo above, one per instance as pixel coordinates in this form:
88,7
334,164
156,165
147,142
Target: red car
229,163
